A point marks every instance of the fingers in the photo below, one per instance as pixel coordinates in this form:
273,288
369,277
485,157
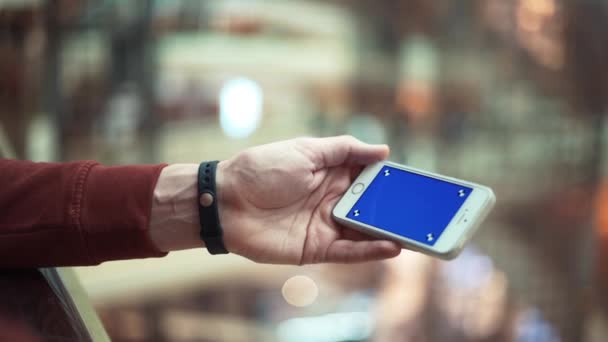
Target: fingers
351,234
347,251
335,151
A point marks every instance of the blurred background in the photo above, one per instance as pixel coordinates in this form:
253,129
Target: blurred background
508,93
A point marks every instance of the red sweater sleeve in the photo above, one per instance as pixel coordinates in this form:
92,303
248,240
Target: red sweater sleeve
79,213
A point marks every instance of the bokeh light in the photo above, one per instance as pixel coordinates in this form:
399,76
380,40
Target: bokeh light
241,102
300,291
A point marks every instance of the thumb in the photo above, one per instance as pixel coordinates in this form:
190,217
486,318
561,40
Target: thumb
345,149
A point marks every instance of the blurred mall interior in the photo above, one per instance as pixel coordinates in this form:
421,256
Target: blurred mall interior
508,93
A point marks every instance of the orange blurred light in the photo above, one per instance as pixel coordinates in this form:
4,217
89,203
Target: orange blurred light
540,7
601,226
417,99
528,20
602,211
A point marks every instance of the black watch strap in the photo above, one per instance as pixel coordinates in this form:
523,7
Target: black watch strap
211,229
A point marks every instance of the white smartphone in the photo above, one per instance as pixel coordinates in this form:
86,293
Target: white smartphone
424,211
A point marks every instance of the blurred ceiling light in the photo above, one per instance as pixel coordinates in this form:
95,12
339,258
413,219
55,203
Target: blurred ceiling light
241,102
300,291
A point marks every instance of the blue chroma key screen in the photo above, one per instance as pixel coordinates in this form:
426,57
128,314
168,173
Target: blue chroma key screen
408,204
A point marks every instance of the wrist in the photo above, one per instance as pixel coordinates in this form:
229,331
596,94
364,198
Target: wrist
225,199
174,222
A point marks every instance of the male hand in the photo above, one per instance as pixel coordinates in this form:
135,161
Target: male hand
275,201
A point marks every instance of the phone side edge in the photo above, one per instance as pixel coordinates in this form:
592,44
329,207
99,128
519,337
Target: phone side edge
484,211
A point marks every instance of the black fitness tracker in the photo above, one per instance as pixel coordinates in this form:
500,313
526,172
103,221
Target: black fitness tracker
211,229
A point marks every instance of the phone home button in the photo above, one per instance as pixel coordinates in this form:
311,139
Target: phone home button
357,188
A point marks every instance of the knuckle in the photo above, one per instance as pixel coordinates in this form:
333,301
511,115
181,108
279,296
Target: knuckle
302,140
349,139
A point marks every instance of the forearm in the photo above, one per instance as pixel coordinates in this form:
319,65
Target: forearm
81,213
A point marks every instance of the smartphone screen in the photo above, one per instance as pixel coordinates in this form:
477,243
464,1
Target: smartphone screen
409,204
